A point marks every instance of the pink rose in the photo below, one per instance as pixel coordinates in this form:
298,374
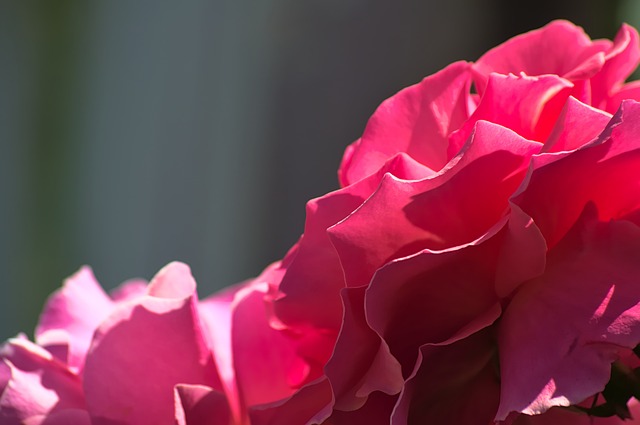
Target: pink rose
480,264
481,261
154,354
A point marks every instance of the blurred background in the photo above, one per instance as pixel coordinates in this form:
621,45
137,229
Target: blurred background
134,133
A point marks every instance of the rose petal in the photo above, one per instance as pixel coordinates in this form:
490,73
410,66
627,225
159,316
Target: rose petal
561,416
417,121
428,214
200,405
361,361
129,290
522,253
35,383
452,384
71,315
627,91
216,316
143,350
173,281
376,411
575,317
310,405
621,60
268,367
311,285
430,297
559,48
63,417
578,124
527,105
603,172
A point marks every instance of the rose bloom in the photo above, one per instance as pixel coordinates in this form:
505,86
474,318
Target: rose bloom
480,264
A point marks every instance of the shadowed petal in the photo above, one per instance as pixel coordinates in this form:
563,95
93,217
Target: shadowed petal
562,330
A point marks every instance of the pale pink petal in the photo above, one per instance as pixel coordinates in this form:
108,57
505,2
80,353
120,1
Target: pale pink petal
143,350
576,317
577,125
361,361
403,217
417,121
527,105
71,315
173,281
603,172
310,288
559,48
200,405
310,405
129,290
454,384
35,383
216,316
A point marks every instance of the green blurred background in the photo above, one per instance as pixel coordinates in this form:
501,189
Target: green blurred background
133,133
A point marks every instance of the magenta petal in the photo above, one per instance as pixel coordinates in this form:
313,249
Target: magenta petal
200,405
600,173
559,48
266,360
71,315
37,384
427,214
576,317
434,297
578,124
311,285
417,120
527,105
621,60
142,351
361,361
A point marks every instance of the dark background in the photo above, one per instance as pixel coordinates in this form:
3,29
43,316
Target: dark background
133,133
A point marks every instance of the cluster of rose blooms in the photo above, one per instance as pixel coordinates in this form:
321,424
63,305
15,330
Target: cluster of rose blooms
480,263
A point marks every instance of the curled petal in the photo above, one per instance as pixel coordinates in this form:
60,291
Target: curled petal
601,172
527,105
559,48
417,121
143,350
310,287
361,361
620,61
72,315
429,213
577,125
